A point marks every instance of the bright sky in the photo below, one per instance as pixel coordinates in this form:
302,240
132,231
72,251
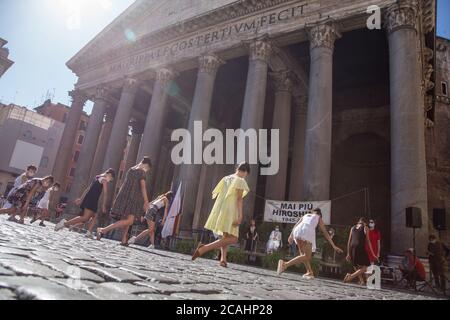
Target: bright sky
43,35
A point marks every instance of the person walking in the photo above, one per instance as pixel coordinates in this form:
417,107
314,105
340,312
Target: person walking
131,200
304,235
227,213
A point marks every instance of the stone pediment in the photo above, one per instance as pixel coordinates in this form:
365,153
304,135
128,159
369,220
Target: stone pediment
142,18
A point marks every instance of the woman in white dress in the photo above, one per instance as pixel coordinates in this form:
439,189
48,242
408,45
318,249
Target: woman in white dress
304,235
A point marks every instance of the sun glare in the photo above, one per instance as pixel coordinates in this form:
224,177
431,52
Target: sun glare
75,10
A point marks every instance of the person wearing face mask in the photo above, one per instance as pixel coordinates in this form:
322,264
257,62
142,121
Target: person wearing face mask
44,203
20,180
21,197
251,240
375,241
88,202
275,241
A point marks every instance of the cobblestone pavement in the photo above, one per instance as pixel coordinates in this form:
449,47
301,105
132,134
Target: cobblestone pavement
38,263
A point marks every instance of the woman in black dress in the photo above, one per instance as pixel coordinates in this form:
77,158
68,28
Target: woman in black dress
88,202
356,250
131,201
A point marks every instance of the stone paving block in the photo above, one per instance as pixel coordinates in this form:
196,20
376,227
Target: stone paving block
71,271
151,296
164,288
151,276
28,267
128,288
110,274
6,272
6,294
108,294
33,288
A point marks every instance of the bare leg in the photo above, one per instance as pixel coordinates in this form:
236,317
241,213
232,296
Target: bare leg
223,254
303,247
87,215
221,243
92,223
118,225
11,210
357,274
151,231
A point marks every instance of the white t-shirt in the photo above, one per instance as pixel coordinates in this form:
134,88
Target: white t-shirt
306,230
44,202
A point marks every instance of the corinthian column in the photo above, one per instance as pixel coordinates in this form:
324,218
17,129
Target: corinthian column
296,183
103,141
201,107
118,139
276,184
151,140
68,137
253,112
87,152
317,166
408,162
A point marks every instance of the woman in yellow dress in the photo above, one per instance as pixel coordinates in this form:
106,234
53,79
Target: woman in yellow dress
226,215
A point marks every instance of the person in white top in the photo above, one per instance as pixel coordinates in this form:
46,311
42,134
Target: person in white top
304,235
44,204
151,216
275,241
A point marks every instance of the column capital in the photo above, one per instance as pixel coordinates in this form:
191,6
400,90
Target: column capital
210,63
137,127
131,85
165,75
260,50
323,35
283,80
78,97
102,93
402,15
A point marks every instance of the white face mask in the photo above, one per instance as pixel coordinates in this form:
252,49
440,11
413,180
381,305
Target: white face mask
372,225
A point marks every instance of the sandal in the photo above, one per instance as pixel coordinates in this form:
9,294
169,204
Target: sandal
346,279
223,264
197,252
99,235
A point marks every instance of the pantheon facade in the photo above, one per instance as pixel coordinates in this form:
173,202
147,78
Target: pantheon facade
353,104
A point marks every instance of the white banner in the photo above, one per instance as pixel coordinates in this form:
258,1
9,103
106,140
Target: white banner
291,212
168,229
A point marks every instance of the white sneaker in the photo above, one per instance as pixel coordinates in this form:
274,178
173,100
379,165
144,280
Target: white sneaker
60,225
151,247
132,240
89,235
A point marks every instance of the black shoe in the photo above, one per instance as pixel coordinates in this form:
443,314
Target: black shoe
33,221
42,224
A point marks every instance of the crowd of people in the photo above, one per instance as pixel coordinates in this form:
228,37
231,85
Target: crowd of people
132,204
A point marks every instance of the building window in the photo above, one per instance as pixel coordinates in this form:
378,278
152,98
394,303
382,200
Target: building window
80,139
82,126
44,162
444,89
28,134
76,156
64,118
72,172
